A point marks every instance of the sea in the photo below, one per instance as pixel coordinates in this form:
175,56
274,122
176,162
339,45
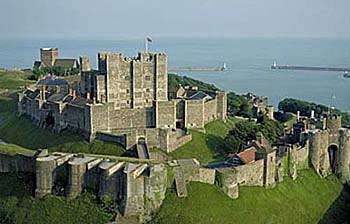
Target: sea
248,62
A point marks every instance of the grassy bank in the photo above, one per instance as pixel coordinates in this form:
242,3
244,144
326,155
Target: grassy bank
206,147
302,201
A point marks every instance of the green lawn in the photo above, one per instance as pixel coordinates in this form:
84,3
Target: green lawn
304,200
206,147
12,81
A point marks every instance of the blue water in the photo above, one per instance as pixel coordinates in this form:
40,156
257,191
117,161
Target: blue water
248,61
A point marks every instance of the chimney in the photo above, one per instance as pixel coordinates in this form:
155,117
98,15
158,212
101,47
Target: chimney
58,89
94,100
324,123
298,115
74,94
312,114
42,92
70,92
88,95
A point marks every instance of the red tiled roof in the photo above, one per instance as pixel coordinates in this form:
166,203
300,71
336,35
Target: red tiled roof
248,155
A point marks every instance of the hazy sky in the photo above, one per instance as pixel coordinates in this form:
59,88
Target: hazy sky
136,18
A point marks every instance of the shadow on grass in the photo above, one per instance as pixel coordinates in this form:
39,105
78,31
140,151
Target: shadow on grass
339,211
216,144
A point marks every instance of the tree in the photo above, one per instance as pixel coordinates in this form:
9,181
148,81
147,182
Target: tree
245,132
240,135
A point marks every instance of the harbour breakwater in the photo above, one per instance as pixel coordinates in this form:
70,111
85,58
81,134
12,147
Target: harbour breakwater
308,68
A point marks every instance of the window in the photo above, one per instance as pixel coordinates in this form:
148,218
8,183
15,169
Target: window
147,90
147,77
127,90
127,77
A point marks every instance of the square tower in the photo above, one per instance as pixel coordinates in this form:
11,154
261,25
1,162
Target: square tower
48,56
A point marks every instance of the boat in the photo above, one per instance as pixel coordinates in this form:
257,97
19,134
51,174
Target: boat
346,74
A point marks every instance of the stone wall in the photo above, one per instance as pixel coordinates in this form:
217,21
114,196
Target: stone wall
227,181
195,114
221,97
155,189
343,160
203,175
166,114
210,110
250,174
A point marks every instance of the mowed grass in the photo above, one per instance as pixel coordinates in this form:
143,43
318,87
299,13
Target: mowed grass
206,147
18,206
12,81
304,200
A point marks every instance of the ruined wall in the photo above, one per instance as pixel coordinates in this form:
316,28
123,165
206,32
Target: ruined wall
250,174
195,114
227,181
155,189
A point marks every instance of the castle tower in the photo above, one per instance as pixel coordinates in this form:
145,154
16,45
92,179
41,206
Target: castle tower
134,82
333,123
343,158
84,64
48,56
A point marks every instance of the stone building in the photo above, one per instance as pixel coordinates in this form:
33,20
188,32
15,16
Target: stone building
49,57
125,100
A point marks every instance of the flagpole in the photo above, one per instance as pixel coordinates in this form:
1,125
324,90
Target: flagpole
146,45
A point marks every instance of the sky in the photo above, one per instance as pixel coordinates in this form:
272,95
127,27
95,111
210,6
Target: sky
111,19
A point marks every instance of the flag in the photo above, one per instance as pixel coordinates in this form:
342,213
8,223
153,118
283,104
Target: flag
149,39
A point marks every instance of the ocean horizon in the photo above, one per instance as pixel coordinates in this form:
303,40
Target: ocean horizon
248,61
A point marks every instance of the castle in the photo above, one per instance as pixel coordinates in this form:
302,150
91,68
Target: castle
125,100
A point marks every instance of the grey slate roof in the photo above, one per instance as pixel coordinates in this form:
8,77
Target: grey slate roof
52,82
65,62
199,95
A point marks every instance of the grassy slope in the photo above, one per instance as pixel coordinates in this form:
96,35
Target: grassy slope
206,147
15,149
12,81
302,201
